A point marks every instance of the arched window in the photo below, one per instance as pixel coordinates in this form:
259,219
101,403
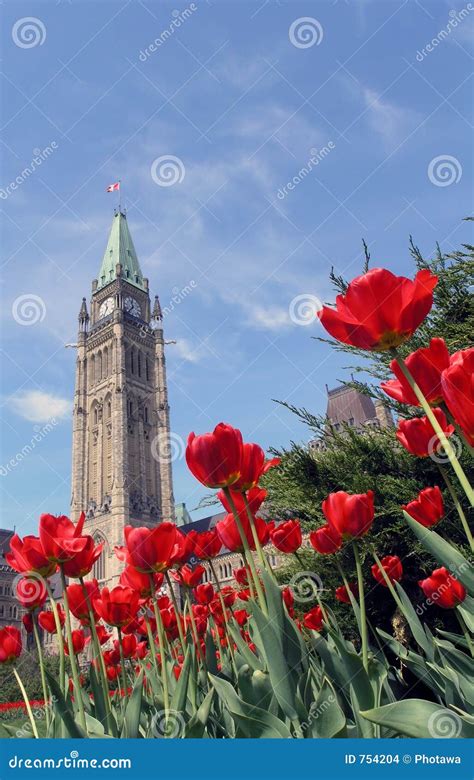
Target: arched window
98,366
147,370
105,363
139,363
92,378
132,360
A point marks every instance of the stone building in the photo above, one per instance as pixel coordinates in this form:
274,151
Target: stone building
347,407
10,610
121,458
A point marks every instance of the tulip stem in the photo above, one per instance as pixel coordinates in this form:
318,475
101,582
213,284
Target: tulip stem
458,506
161,638
247,551
194,630
258,546
122,662
100,658
41,665
152,644
444,441
27,703
177,612
363,621
59,634
72,657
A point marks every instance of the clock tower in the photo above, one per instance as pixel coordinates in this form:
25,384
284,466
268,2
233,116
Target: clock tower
121,459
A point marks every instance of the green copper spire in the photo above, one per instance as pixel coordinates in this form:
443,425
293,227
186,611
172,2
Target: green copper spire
120,249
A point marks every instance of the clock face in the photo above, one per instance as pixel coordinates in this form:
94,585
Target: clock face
106,307
132,306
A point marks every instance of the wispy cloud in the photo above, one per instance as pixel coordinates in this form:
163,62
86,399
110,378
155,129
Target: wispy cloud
37,406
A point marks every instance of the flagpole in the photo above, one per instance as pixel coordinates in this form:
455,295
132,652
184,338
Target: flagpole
120,196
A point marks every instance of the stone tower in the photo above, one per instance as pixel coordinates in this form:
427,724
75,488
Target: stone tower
121,456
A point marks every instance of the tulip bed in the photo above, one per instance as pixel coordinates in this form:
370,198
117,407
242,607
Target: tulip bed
204,661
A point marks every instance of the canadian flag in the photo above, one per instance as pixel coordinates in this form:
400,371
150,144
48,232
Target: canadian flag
113,187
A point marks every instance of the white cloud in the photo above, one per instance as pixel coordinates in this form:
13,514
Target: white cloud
37,406
387,118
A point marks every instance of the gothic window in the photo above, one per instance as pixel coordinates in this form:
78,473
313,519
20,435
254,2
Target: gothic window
2,610
147,370
132,360
108,409
92,369
99,366
105,363
139,363
96,415
145,413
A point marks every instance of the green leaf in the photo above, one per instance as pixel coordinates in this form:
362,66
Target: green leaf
252,721
131,721
420,719
415,623
361,692
328,718
63,710
195,728
444,552
178,701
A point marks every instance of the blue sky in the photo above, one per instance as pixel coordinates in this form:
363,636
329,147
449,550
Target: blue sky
242,93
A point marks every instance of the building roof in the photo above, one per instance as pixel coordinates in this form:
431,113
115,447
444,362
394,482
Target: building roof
120,249
204,524
346,405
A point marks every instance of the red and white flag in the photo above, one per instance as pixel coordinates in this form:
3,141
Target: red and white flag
113,187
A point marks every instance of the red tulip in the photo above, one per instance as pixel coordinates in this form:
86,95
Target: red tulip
425,366
141,650
314,619
27,621
137,580
325,540
230,536
28,556
112,672
102,634
241,575
118,606
187,576
10,644
78,596
60,538
428,508
457,383
149,549
78,642
206,544
255,499
418,437
82,562
443,589
289,599
241,616
287,536
393,568
47,622
204,593
380,310
349,515
129,645
215,458
342,594
253,466
183,548
31,592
